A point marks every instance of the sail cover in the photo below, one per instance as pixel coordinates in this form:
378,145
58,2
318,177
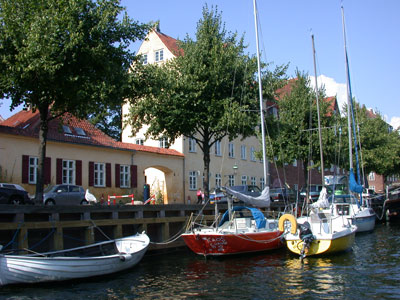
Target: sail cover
261,201
354,186
257,215
322,200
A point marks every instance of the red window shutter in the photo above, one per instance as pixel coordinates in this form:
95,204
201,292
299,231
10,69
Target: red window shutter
91,173
59,171
47,170
25,169
78,177
108,175
133,176
117,175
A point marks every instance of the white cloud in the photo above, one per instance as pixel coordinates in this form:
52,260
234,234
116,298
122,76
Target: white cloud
332,88
395,122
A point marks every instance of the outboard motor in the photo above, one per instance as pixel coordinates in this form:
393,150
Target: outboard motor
307,237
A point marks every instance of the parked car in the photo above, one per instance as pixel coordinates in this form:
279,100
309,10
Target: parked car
280,194
251,190
314,191
64,194
9,194
217,196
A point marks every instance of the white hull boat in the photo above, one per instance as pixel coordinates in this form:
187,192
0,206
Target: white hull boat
94,260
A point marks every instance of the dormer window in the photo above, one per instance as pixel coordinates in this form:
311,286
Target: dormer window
80,131
66,129
159,55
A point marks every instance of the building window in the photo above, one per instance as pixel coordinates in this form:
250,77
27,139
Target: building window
253,180
163,142
33,167
192,145
192,180
243,151
139,142
372,187
244,180
218,148
66,129
124,176
262,183
99,174
231,180
371,176
231,147
144,59
252,154
80,131
218,180
68,172
159,55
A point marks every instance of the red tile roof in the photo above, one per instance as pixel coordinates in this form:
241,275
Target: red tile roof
26,123
170,43
287,89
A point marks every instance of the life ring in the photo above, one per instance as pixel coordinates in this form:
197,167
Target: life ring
291,219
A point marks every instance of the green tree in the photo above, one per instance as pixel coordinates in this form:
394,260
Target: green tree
380,146
206,94
294,133
60,56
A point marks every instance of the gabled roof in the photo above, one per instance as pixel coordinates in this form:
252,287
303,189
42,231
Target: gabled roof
170,43
76,131
287,89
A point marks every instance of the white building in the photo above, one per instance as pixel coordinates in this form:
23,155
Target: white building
232,162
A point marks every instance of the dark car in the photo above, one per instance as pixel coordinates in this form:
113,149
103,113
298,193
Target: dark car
314,191
281,194
64,194
251,190
12,195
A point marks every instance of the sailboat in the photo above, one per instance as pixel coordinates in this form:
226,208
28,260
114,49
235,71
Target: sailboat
356,210
242,229
320,232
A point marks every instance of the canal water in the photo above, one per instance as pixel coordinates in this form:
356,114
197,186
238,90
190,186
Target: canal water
370,271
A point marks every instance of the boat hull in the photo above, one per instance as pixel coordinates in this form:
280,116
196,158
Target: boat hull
322,246
216,244
364,223
33,269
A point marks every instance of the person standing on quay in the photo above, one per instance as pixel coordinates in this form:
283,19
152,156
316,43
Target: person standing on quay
199,196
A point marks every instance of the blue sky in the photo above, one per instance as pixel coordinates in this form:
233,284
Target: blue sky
285,37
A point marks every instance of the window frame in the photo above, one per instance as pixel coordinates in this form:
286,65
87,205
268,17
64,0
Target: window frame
68,171
99,175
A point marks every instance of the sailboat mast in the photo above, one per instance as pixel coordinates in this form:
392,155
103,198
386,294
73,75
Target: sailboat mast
349,110
265,162
319,120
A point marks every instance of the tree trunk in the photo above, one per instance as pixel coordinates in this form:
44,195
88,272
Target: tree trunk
43,110
206,160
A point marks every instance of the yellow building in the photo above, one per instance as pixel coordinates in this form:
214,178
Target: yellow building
78,153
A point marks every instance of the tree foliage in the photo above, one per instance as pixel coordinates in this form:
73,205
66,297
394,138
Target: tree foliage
60,56
206,94
294,133
380,146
